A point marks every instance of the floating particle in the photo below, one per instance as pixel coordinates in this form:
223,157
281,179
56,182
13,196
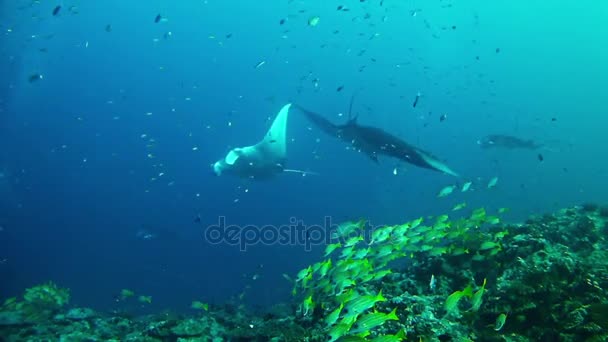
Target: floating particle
497,50
108,28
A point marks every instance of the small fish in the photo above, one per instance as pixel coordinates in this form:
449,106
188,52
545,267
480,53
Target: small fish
332,318
34,78
126,293
433,283
446,191
145,299
56,10
308,306
338,331
339,89
260,63
500,321
466,186
476,299
488,245
492,182
540,157
332,247
157,18
314,21
416,100
443,117
372,320
282,21
108,28
459,206
199,305
451,302
360,304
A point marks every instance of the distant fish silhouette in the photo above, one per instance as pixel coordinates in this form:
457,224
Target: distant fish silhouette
508,142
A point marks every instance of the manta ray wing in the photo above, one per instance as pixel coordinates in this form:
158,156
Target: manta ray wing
262,160
274,145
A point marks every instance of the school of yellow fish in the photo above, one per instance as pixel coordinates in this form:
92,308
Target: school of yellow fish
346,287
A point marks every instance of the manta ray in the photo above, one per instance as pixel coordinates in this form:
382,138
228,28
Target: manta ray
374,142
263,160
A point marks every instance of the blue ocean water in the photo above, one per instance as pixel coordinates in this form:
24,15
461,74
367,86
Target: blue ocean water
105,159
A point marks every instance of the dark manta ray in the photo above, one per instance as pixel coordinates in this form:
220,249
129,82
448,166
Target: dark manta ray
375,141
507,141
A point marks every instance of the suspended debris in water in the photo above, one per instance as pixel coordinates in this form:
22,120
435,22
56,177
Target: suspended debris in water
108,28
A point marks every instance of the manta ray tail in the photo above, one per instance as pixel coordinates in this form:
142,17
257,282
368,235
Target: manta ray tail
438,165
304,173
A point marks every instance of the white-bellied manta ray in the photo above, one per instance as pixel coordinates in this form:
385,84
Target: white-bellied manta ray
263,160
374,142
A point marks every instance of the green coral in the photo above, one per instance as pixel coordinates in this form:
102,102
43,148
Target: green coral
40,302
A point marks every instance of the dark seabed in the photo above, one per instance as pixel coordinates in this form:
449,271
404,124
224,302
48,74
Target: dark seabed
292,170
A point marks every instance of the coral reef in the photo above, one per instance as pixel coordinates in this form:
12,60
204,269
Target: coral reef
471,279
